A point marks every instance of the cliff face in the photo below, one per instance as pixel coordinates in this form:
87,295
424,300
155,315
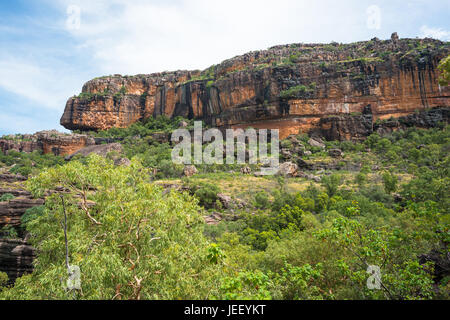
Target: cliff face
291,88
16,255
46,141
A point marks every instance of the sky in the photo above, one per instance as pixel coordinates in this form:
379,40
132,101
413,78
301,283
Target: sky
50,48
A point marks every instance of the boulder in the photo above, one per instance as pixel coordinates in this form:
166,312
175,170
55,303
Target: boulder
246,170
230,203
189,170
316,143
335,153
288,169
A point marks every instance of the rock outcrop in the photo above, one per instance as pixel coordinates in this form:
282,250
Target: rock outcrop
16,255
297,87
16,258
11,211
101,150
47,142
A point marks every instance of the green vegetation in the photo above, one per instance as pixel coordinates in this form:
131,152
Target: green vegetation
444,68
26,163
298,91
6,197
383,203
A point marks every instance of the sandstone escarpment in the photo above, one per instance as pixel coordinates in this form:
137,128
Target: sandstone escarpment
47,142
291,88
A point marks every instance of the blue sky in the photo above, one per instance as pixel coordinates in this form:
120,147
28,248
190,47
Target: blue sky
46,56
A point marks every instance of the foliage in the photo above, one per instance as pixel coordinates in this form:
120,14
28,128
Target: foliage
206,193
6,197
331,183
135,242
444,68
26,163
390,182
298,91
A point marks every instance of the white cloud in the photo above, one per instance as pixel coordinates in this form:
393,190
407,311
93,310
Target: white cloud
435,33
49,88
149,36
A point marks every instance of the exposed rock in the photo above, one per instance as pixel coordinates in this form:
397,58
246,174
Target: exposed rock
16,258
246,170
12,177
230,203
189,170
252,89
101,150
286,153
122,162
335,153
11,211
173,186
307,153
288,169
15,192
47,142
213,218
441,261
309,176
62,144
225,200
316,143
424,119
394,38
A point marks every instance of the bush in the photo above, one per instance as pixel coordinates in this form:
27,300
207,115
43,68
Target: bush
331,183
206,193
6,197
261,200
390,182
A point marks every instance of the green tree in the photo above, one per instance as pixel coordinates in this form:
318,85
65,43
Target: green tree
130,240
390,182
331,183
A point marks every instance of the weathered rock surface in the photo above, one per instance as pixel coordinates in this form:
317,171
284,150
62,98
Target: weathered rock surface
289,87
11,211
46,141
288,169
16,255
189,170
7,177
316,143
335,153
16,258
101,150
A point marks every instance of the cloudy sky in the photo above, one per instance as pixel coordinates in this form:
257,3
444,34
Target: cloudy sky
49,48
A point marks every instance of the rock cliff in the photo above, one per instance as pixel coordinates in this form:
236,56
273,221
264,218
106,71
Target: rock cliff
16,255
291,87
46,141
